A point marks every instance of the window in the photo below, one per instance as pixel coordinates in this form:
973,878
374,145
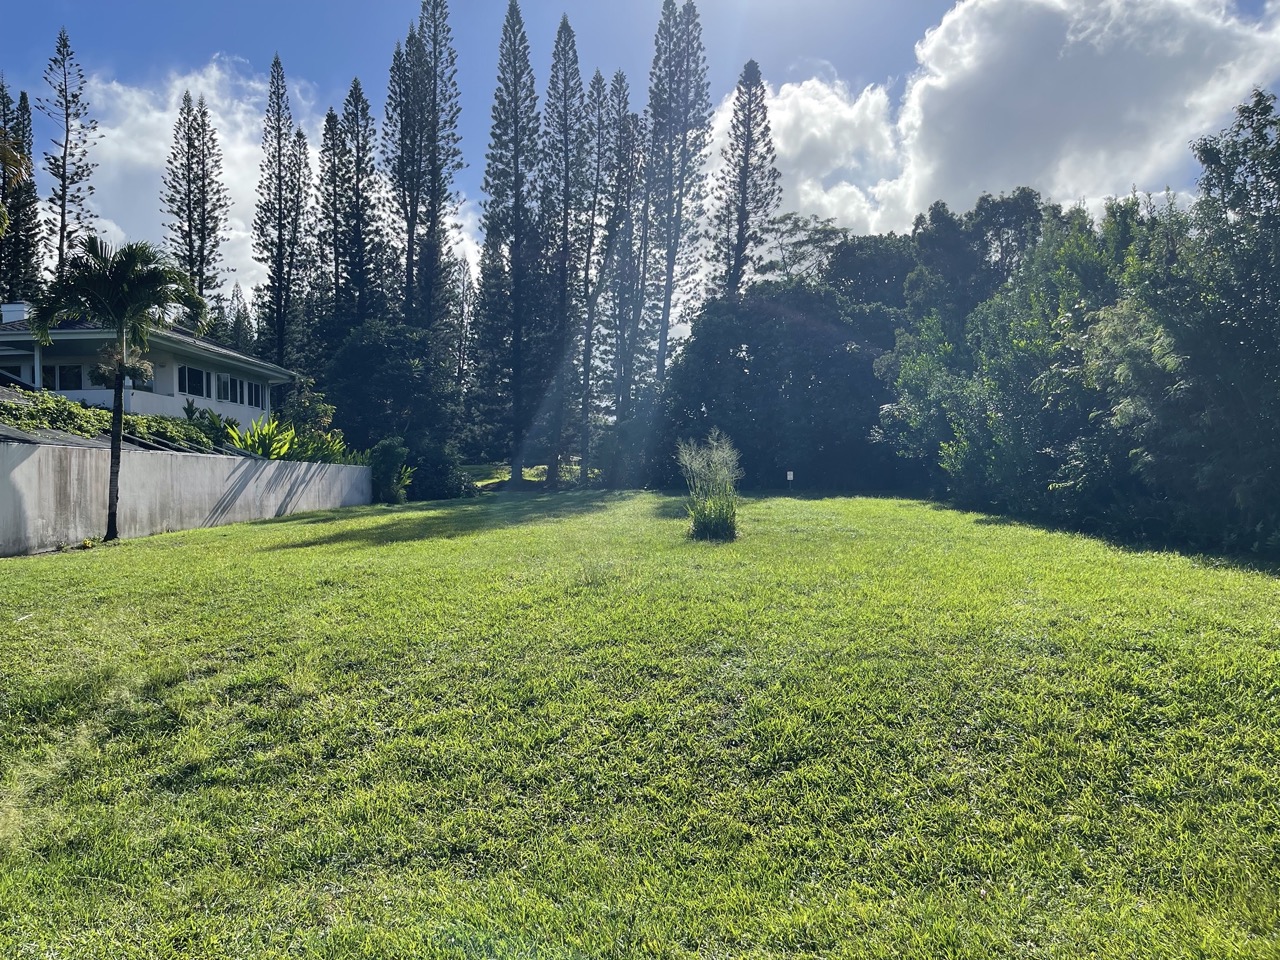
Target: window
15,372
67,376
195,382
231,389
71,377
255,395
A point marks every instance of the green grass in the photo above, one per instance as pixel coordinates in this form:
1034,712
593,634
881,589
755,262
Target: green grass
555,727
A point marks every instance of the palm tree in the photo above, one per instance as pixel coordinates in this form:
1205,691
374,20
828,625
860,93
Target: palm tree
131,290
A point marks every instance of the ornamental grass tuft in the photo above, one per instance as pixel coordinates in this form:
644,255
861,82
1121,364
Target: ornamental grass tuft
712,471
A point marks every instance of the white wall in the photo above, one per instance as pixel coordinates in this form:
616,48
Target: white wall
51,495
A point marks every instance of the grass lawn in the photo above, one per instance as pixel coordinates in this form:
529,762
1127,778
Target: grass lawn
553,727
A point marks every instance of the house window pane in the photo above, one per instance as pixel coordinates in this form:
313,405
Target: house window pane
194,382
71,377
49,377
224,387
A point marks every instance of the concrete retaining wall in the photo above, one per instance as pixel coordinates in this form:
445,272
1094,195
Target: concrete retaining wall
52,495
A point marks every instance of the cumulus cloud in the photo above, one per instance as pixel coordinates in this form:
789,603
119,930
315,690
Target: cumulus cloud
1080,99
136,127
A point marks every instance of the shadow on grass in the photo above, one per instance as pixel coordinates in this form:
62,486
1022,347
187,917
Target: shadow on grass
672,506
449,519
1127,541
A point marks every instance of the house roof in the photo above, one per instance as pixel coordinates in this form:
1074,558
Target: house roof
173,336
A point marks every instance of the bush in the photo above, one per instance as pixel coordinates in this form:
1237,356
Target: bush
438,473
712,472
42,410
391,472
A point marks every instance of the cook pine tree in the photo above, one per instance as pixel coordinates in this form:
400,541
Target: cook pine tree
680,131
564,186
421,150
194,197
67,164
510,268
20,246
748,187
280,218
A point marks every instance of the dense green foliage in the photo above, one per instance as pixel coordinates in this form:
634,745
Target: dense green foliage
275,439
49,411
869,728
391,472
1124,374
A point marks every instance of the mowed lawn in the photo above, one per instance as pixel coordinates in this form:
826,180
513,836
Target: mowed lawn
551,727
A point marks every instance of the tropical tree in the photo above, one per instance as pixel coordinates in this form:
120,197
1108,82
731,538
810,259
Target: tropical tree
130,291
564,185
680,133
68,164
748,187
20,246
422,154
194,196
280,219
509,270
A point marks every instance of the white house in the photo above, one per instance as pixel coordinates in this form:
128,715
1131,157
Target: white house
185,368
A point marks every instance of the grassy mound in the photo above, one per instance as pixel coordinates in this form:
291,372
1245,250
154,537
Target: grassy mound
532,726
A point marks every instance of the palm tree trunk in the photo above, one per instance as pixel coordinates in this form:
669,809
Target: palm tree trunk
117,430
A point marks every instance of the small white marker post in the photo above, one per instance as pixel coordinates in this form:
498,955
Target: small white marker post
790,476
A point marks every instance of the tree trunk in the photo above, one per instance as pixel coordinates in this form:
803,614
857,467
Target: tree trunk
117,429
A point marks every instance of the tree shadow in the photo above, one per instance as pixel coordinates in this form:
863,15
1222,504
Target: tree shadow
1144,541
451,519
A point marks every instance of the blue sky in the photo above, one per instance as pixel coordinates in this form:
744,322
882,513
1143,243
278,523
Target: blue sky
879,107
143,42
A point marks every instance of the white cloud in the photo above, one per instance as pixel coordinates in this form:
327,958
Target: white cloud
136,127
1080,99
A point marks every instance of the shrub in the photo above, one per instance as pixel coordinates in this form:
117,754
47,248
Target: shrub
42,410
438,473
712,472
391,472
265,437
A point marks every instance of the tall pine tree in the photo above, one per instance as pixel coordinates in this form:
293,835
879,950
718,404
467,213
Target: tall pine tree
240,317
564,187
68,163
194,196
363,241
511,230
422,154
748,187
628,282
20,244
608,201
331,222
680,130
279,221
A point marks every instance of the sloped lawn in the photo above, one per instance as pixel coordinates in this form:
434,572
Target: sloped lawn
532,726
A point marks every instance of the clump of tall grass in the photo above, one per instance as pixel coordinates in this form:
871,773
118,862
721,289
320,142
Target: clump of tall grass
712,472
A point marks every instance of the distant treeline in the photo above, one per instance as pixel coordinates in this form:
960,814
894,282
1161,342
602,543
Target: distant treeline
1117,372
